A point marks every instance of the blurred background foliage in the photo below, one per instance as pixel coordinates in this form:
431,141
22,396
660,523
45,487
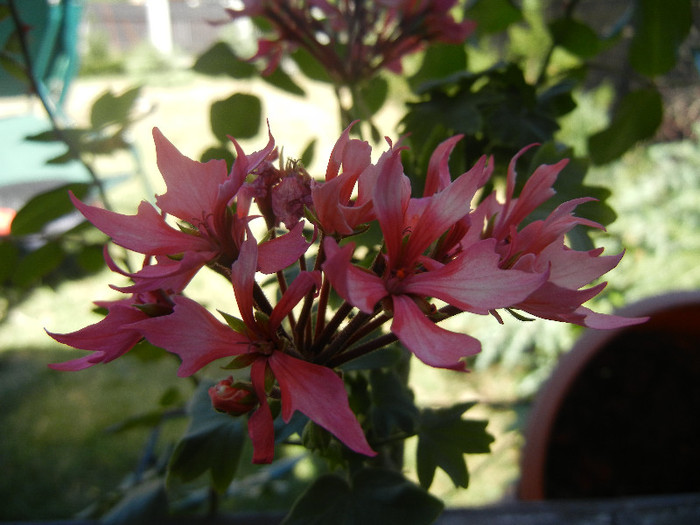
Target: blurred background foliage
611,85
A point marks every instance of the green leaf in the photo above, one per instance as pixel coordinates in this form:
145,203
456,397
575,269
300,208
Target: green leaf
147,503
9,255
283,81
327,500
392,404
374,95
443,439
307,155
46,207
660,28
637,118
439,61
212,442
575,36
220,59
493,16
310,66
218,153
374,496
38,264
239,115
113,109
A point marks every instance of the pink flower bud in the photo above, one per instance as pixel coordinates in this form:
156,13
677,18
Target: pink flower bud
233,398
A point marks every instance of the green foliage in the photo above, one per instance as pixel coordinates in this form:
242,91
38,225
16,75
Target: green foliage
46,207
239,116
493,16
660,28
443,439
144,505
213,442
638,117
373,495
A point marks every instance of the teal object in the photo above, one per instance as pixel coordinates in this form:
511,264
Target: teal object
52,31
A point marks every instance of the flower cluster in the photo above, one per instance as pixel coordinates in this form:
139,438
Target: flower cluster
439,256
353,40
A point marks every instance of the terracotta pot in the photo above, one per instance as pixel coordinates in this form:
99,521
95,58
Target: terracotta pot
620,415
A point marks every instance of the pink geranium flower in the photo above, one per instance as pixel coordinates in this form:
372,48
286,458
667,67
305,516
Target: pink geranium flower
353,40
471,281
199,195
336,209
198,338
540,247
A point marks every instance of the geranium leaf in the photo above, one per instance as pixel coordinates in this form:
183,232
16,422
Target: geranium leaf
443,439
212,442
147,503
375,496
220,59
45,207
392,404
629,125
238,116
660,28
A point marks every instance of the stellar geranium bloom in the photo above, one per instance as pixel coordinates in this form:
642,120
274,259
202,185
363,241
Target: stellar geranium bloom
472,281
199,194
198,339
353,40
335,209
540,246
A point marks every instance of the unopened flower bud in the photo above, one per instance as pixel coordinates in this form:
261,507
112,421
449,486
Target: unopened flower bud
233,398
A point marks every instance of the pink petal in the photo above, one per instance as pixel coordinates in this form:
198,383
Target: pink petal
473,281
192,333
108,339
390,203
276,254
357,286
443,210
192,187
167,274
438,176
260,423
431,344
574,269
319,393
146,232
243,280
586,317
300,286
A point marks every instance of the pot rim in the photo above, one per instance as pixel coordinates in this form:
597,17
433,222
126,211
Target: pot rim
662,310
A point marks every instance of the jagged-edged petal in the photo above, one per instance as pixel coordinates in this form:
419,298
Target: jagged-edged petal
438,175
192,187
193,334
109,338
299,287
473,281
390,203
585,317
574,269
537,190
317,392
443,210
260,423
550,301
146,232
357,286
167,274
278,253
243,280
430,343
